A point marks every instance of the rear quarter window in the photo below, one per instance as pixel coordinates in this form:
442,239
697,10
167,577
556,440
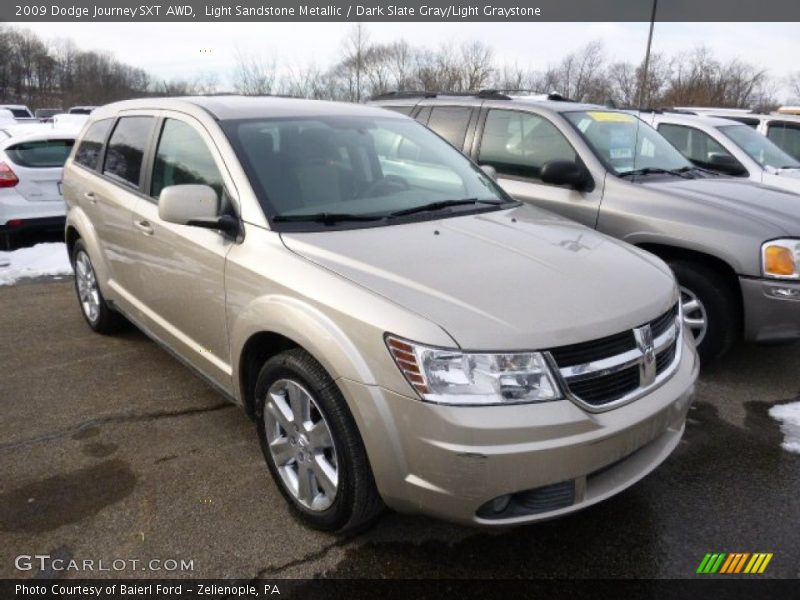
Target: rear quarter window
40,154
91,144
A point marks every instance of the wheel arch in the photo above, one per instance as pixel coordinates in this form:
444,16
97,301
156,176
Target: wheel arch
671,253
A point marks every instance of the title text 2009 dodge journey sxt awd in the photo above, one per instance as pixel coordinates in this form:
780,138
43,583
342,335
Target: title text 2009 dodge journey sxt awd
401,330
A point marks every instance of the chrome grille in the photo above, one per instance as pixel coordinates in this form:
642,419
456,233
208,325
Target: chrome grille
617,369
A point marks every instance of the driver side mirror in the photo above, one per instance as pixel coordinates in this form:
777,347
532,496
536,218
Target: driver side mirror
565,172
726,164
194,205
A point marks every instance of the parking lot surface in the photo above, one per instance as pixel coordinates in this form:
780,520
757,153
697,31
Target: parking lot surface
111,449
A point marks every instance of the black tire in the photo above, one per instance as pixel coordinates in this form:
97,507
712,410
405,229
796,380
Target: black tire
106,320
5,241
719,301
357,502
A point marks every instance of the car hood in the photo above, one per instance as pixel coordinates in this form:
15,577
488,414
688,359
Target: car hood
775,208
505,280
788,180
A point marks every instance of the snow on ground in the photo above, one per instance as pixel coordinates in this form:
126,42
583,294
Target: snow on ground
789,416
41,260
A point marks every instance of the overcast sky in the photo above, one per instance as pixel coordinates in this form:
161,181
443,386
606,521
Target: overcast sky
173,50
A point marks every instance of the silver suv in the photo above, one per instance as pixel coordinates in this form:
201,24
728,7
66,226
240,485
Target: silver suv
400,329
734,245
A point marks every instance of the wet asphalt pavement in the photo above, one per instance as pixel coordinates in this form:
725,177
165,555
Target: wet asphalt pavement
110,449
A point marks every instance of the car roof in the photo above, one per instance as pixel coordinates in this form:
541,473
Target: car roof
46,133
696,119
225,108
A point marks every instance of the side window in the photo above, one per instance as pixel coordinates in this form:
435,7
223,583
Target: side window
183,157
785,135
451,123
696,145
126,149
91,143
519,144
403,110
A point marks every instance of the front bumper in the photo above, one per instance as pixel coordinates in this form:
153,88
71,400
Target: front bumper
451,461
771,310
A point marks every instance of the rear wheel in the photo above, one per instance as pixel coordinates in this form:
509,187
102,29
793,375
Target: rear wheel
100,317
710,311
312,446
5,240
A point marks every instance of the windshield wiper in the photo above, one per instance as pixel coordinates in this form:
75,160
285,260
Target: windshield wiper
442,204
682,172
324,217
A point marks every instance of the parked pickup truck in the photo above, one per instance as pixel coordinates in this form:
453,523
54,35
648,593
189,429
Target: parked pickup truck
734,245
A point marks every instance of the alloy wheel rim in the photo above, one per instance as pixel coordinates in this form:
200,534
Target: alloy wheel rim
300,443
695,317
88,292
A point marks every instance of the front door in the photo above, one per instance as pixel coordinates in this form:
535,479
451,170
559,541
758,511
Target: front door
182,271
517,144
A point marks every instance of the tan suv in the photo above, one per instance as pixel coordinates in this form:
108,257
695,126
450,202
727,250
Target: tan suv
399,328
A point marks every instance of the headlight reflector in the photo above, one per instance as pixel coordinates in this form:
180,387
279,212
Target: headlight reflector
469,378
781,259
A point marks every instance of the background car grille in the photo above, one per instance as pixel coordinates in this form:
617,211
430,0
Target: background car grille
611,385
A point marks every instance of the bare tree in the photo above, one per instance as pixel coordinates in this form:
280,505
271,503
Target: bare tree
254,74
353,63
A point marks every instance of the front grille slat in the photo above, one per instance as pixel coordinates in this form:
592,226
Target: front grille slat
609,387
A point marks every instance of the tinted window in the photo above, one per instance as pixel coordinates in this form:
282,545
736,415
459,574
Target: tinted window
40,154
451,123
90,145
518,143
696,145
21,113
785,135
126,149
183,157
403,110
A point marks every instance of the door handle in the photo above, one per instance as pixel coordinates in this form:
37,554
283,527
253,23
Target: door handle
144,227
90,197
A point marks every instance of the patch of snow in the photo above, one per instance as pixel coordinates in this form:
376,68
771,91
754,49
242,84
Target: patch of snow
42,260
789,416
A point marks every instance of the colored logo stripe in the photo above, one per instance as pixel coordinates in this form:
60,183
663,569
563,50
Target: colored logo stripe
723,563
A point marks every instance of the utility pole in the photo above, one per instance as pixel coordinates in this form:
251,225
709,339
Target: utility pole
647,58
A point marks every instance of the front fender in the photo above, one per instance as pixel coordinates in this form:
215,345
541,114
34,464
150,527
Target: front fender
313,330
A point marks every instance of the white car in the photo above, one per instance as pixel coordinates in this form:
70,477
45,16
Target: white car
20,112
782,128
30,182
728,147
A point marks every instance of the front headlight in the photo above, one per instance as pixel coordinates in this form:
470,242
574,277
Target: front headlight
780,259
469,378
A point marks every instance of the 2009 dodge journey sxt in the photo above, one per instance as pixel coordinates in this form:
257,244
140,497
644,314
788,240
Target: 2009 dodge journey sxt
400,329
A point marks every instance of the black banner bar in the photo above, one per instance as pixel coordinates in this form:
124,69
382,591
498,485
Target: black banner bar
401,10
719,588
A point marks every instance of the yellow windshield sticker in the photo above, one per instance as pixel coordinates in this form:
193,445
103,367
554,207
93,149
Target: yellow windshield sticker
611,117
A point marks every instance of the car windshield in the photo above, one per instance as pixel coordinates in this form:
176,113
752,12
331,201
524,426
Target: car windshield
362,168
759,147
625,143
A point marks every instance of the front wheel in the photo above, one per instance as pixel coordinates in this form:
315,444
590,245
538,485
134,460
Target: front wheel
312,446
710,311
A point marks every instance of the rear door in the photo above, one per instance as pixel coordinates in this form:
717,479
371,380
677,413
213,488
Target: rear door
517,144
453,122
38,165
181,270
115,195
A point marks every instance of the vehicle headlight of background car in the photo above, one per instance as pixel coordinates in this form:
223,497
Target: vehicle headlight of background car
781,259
450,376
